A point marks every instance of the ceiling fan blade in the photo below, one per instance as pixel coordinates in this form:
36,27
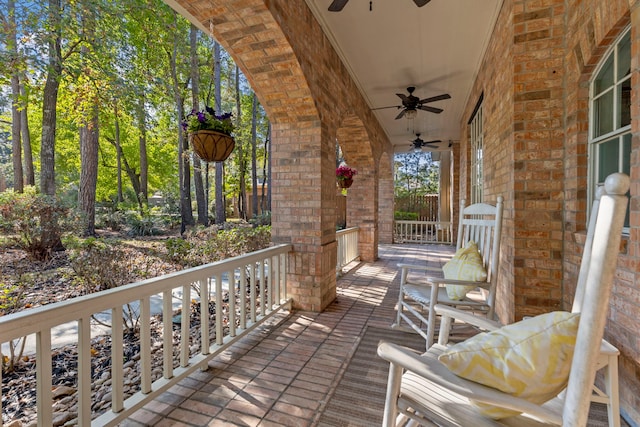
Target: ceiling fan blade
435,98
403,97
399,116
431,142
337,5
431,109
390,106
421,3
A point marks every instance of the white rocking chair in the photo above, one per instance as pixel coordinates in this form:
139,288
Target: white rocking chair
480,223
421,390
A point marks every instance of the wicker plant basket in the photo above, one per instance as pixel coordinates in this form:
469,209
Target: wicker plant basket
212,146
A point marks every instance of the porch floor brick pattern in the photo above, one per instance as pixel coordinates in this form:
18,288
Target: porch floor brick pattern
284,373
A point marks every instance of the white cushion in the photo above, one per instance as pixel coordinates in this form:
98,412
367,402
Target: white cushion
466,264
530,359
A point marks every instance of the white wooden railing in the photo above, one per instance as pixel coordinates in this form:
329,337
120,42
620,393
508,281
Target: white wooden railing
347,247
422,232
258,282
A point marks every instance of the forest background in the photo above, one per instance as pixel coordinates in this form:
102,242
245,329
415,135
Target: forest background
92,94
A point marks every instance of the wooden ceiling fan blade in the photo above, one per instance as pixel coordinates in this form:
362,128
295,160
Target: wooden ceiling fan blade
435,98
399,116
337,5
431,109
421,3
435,141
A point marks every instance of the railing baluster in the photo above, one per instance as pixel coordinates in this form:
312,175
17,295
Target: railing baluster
145,347
252,291
243,297
84,371
262,286
117,370
232,302
43,378
219,303
204,316
167,334
185,323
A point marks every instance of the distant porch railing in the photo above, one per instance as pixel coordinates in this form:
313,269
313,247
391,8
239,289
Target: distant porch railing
238,293
347,247
424,232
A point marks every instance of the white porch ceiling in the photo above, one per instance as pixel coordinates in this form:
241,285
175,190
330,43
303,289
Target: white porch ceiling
436,48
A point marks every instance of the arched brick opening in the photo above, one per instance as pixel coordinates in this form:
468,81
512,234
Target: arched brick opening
306,91
362,197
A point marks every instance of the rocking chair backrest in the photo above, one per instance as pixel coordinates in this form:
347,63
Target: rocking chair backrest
482,223
595,284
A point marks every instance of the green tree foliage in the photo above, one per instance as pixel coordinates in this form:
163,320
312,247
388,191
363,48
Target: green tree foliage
117,57
416,174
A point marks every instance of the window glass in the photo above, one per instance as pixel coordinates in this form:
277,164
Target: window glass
624,96
603,114
604,79
624,57
608,158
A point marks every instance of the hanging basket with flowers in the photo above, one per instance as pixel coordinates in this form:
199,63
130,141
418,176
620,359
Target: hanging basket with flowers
344,175
210,134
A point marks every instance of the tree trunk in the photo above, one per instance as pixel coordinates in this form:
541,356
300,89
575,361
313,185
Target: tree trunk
12,42
49,102
89,132
203,217
266,204
26,136
186,214
118,153
241,154
254,161
89,171
142,142
221,215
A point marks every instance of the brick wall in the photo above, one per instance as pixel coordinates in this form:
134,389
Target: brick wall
594,27
535,81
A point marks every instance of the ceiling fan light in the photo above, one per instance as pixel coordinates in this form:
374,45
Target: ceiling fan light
411,114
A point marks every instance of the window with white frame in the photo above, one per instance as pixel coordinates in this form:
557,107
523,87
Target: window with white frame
477,143
610,114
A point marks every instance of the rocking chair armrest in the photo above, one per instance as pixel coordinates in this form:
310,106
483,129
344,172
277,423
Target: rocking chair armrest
442,281
428,367
419,267
467,317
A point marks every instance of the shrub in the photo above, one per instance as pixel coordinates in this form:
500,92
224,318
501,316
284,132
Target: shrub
405,216
99,266
141,225
205,245
35,221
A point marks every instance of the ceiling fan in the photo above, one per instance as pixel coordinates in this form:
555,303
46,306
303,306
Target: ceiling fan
418,143
337,5
411,103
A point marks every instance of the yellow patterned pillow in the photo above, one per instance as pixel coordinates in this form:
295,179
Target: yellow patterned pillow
530,359
466,264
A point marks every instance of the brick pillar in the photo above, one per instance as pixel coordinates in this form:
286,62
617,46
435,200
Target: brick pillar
304,210
385,199
362,211
538,132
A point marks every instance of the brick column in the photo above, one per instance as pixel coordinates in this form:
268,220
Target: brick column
362,211
385,199
304,210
